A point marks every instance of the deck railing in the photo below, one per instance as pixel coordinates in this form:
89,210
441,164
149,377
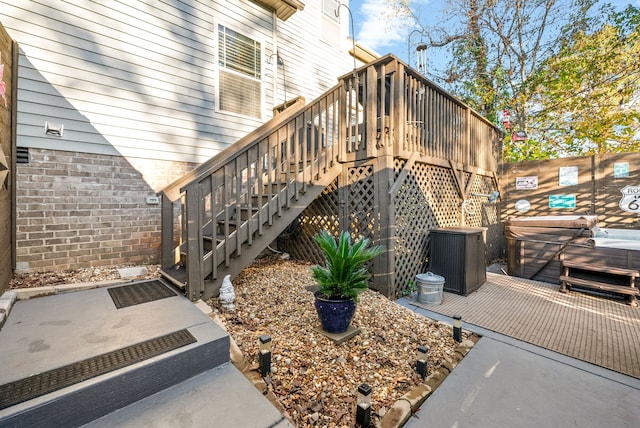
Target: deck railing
213,216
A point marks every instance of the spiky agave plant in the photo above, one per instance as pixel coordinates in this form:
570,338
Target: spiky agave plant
344,275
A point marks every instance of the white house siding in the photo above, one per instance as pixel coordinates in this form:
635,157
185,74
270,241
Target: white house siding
315,51
138,78
130,78
133,83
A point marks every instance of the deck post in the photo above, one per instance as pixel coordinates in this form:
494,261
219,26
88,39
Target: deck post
195,282
384,267
166,237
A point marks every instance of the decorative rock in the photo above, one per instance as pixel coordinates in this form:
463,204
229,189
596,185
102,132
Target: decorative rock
273,299
397,415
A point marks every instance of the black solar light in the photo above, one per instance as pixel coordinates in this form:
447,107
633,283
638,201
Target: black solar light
457,328
421,360
265,354
363,408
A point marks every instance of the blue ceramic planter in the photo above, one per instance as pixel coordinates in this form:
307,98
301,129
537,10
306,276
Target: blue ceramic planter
335,315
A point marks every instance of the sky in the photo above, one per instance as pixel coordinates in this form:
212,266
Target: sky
377,29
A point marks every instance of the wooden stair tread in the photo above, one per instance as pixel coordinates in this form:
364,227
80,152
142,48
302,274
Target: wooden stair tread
624,289
603,269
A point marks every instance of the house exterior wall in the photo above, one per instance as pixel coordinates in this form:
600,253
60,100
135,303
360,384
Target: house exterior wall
136,81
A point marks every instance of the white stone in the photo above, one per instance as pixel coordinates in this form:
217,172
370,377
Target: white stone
132,272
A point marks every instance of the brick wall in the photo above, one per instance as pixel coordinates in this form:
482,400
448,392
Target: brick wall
77,210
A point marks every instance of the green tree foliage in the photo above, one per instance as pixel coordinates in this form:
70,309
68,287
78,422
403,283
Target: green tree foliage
495,46
585,99
567,73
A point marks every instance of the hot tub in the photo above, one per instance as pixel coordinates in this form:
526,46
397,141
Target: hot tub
537,245
625,239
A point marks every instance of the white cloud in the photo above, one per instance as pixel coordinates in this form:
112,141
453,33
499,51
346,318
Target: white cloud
379,28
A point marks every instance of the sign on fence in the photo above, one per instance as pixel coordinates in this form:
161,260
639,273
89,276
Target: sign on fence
562,201
630,201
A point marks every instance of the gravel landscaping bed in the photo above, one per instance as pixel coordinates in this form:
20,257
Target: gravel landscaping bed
313,380
74,276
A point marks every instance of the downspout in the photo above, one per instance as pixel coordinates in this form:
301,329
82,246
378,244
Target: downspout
274,64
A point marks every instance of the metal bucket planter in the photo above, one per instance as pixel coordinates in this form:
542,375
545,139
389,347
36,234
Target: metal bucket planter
430,288
335,315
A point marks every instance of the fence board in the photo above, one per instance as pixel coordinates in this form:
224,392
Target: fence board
597,191
8,59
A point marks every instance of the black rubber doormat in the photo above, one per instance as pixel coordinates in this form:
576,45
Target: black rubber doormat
40,384
141,292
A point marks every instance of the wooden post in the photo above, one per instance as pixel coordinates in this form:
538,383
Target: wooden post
370,112
384,269
8,104
398,132
166,237
195,282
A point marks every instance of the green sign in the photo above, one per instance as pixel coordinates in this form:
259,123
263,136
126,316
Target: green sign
562,201
620,169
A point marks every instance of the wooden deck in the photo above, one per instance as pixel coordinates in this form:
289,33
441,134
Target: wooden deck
598,330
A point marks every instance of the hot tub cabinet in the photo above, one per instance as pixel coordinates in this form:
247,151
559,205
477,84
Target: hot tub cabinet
573,251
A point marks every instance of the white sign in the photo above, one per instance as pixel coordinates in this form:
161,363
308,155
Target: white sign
523,205
527,183
630,201
568,176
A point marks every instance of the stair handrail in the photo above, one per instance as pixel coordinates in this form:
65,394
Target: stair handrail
176,188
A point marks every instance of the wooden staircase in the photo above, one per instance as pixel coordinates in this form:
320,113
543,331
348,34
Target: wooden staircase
235,205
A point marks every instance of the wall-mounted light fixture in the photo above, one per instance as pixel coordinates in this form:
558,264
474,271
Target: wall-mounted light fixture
53,129
493,197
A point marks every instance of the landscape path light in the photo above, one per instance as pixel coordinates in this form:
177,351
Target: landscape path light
265,354
363,407
457,328
421,360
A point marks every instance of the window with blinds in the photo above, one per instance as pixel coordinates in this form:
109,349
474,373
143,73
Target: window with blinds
329,8
240,79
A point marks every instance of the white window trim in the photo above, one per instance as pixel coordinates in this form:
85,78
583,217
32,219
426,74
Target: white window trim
255,36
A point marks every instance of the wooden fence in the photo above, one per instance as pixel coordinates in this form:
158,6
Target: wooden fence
8,77
578,185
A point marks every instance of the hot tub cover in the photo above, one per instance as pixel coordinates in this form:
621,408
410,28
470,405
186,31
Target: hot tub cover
554,221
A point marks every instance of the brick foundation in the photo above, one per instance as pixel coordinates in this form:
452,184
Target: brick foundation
78,210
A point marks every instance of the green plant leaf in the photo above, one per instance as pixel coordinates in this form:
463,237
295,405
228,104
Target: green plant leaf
344,275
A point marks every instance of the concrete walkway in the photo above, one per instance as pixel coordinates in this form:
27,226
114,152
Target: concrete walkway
194,385
502,385
506,382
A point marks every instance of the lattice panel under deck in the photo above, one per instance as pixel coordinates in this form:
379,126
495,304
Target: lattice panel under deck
485,214
428,199
323,213
360,208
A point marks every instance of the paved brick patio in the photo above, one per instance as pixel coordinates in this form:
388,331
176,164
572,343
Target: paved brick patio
591,328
